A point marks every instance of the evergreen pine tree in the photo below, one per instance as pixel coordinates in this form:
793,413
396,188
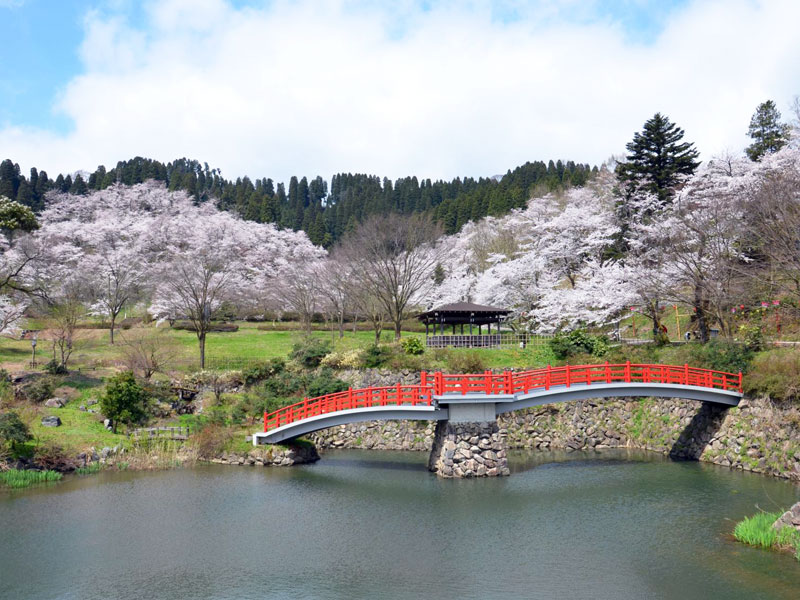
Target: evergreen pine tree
657,159
766,131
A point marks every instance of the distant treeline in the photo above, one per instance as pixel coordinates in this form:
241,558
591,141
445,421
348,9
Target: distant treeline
325,215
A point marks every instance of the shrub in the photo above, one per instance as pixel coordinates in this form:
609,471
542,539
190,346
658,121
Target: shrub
412,345
263,371
51,456
39,389
325,383
721,356
775,373
124,400
284,384
6,387
578,341
350,359
466,362
211,440
218,327
13,430
56,368
310,352
752,336
376,356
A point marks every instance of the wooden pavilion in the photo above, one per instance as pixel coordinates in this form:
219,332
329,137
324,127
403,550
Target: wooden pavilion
459,314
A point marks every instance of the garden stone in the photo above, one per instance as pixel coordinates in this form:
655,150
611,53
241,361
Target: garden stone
55,403
51,421
108,424
82,408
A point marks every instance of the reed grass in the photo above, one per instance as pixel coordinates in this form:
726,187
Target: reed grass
758,531
15,478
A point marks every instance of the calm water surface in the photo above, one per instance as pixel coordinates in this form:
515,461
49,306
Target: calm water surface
364,524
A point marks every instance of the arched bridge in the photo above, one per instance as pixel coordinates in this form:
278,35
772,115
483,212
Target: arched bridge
481,397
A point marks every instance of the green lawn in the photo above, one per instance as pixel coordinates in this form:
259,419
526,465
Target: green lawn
234,350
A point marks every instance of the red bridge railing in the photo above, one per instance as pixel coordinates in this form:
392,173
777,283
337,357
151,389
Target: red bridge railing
508,383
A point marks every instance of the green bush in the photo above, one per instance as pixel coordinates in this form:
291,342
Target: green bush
466,362
578,341
412,345
721,356
124,400
284,384
12,430
263,371
752,336
775,373
325,383
55,368
39,389
376,356
310,352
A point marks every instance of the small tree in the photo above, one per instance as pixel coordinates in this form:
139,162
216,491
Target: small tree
13,430
766,131
148,353
124,400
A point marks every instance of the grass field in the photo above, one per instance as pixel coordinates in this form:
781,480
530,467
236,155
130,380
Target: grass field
228,350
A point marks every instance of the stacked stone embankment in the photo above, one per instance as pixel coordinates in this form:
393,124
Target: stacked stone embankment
468,450
759,435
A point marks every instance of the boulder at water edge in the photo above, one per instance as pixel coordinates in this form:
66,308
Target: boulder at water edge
791,518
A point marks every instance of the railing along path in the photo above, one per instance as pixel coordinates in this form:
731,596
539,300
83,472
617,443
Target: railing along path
509,383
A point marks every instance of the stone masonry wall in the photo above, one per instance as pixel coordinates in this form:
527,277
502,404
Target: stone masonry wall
468,450
758,435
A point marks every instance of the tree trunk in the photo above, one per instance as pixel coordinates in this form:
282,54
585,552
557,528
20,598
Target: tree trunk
397,325
341,324
113,322
700,310
377,327
201,337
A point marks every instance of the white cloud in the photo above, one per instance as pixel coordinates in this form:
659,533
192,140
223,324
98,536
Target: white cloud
315,87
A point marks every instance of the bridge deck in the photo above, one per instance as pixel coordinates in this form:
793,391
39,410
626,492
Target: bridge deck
507,391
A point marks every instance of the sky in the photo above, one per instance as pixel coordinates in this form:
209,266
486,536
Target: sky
439,89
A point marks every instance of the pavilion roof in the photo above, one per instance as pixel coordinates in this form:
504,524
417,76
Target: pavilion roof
465,307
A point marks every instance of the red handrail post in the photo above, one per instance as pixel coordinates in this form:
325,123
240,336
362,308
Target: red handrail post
423,378
685,373
608,373
487,381
725,382
547,378
437,383
627,371
265,421
399,395
508,383
740,382
567,377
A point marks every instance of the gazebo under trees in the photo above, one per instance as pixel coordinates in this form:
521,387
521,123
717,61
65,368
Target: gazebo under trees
460,314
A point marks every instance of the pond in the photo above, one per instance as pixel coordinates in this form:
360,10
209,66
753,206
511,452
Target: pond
368,524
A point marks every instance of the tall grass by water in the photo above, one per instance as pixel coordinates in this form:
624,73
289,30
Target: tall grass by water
15,478
758,531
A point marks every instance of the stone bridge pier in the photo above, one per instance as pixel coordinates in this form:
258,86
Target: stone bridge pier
468,443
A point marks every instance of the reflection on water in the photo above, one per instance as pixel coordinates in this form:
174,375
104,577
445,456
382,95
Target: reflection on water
367,524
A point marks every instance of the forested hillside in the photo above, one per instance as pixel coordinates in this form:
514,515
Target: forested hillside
324,213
